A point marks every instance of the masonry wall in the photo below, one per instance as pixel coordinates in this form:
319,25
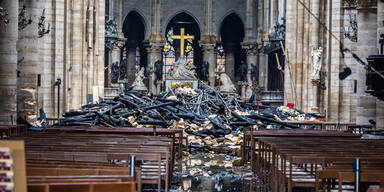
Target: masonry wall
340,101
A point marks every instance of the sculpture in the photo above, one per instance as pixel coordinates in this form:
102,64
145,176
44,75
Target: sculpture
158,70
243,70
182,70
226,84
115,72
123,70
204,71
254,72
316,62
138,84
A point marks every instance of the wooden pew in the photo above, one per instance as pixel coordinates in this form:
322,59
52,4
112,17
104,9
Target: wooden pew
280,153
103,148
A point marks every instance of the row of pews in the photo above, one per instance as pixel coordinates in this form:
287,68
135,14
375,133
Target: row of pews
321,160
98,159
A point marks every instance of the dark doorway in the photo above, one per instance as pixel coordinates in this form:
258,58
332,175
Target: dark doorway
186,21
134,52
232,33
276,61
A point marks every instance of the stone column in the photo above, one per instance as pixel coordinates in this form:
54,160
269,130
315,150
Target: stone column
27,68
208,39
156,42
230,60
367,45
263,70
115,57
131,57
209,55
251,52
8,63
154,54
315,27
249,44
380,31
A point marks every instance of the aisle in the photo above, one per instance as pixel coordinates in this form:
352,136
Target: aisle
213,172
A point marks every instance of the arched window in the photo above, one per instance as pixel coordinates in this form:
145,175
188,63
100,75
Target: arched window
168,54
220,67
137,60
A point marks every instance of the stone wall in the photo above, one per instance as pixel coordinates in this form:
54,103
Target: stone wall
72,51
338,101
8,63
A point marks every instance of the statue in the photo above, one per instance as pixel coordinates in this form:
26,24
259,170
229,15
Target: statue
138,84
226,84
204,71
123,69
243,70
182,70
316,62
254,72
114,72
158,70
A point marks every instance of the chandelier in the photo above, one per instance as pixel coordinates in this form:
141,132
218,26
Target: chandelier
42,29
23,21
4,15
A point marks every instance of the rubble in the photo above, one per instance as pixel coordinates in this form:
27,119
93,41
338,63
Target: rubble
212,121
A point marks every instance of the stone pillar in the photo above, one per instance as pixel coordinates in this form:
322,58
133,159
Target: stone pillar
131,57
27,68
263,70
154,54
230,60
115,57
251,52
8,63
367,45
208,39
209,55
380,31
156,42
315,28
250,45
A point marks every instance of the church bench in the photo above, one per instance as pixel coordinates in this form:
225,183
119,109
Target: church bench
11,130
83,187
103,148
175,134
371,172
278,157
286,133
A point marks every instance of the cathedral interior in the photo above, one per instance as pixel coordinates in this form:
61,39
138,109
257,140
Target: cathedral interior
245,95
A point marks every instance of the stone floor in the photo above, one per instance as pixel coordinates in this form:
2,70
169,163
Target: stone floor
212,172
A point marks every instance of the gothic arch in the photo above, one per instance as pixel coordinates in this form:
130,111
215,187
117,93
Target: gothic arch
169,19
222,19
139,15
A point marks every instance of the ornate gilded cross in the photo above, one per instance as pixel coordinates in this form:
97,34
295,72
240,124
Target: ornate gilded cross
182,38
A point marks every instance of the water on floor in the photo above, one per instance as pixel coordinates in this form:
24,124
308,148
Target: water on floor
213,172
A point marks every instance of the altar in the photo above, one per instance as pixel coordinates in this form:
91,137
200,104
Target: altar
182,74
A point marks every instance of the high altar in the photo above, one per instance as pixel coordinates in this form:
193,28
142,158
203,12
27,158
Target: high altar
182,74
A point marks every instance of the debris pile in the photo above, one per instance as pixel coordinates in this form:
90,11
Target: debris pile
211,119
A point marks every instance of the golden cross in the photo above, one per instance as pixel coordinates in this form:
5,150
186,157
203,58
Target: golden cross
182,38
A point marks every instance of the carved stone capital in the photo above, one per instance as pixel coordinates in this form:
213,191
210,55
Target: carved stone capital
366,4
207,39
208,47
250,48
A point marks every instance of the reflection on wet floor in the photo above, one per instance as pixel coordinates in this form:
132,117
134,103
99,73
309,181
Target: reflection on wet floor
213,172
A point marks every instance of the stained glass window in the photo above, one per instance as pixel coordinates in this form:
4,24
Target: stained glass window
137,60
220,67
168,54
189,51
